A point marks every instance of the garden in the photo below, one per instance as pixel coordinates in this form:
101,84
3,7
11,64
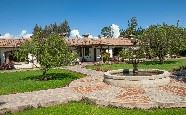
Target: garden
31,80
52,51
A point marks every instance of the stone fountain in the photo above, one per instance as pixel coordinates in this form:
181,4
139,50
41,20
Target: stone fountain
136,77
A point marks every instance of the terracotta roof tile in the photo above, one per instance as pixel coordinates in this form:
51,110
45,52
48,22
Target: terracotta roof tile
11,42
74,42
108,41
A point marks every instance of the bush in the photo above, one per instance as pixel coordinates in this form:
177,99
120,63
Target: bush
105,56
125,54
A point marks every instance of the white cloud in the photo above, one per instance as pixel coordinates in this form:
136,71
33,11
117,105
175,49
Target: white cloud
6,36
23,34
27,35
115,30
75,34
91,36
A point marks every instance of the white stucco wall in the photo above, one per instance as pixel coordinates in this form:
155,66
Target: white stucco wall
98,55
2,57
110,51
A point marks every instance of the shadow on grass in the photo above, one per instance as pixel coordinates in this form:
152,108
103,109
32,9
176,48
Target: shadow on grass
158,62
52,76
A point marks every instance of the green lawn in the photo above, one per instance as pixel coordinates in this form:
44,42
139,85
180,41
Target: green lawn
168,65
24,81
82,108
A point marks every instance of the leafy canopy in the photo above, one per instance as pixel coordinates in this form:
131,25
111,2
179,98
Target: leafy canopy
164,39
50,52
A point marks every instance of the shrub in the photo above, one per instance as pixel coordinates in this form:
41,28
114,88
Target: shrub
105,56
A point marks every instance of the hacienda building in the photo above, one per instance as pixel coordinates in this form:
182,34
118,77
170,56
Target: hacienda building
88,49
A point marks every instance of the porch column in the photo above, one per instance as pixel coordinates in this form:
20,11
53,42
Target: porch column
84,51
2,57
110,51
101,54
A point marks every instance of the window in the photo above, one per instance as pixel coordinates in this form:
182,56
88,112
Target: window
86,51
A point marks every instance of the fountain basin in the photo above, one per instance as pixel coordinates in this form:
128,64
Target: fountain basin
159,78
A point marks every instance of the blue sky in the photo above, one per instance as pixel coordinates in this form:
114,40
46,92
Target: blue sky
88,16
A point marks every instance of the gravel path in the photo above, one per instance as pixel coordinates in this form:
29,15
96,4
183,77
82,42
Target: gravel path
94,89
82,69
42,98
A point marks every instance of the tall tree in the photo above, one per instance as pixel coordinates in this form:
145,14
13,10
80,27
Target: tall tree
65,28
106,32
37,29
131,29
61,29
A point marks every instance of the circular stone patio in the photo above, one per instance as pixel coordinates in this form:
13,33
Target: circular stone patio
95,90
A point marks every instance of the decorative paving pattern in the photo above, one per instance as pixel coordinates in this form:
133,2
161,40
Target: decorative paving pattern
89,89
131,91
181,91
133,96
135,99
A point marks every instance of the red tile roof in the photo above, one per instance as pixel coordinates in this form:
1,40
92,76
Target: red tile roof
5,43
74,42
108,41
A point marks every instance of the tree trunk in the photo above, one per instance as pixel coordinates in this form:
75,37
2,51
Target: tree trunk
135,68
44,71
161,59
44,77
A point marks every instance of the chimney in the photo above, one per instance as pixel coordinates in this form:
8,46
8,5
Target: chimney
86,35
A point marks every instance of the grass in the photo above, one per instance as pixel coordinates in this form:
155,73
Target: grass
29,81
83,108
169,65
25,81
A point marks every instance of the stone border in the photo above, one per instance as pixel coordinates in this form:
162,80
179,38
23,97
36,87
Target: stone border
137,81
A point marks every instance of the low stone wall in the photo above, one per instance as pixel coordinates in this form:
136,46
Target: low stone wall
137,81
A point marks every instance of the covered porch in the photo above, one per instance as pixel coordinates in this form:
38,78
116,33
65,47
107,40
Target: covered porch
89,50
92,53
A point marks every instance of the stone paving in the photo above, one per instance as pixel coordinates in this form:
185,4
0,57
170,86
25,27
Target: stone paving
42,98
93,88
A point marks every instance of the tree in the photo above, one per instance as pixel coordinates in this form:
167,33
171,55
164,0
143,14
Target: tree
132,25
129,53
131,29
61,29
65,28
106,32
155,35
125,53
37,29
50,52
160,40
